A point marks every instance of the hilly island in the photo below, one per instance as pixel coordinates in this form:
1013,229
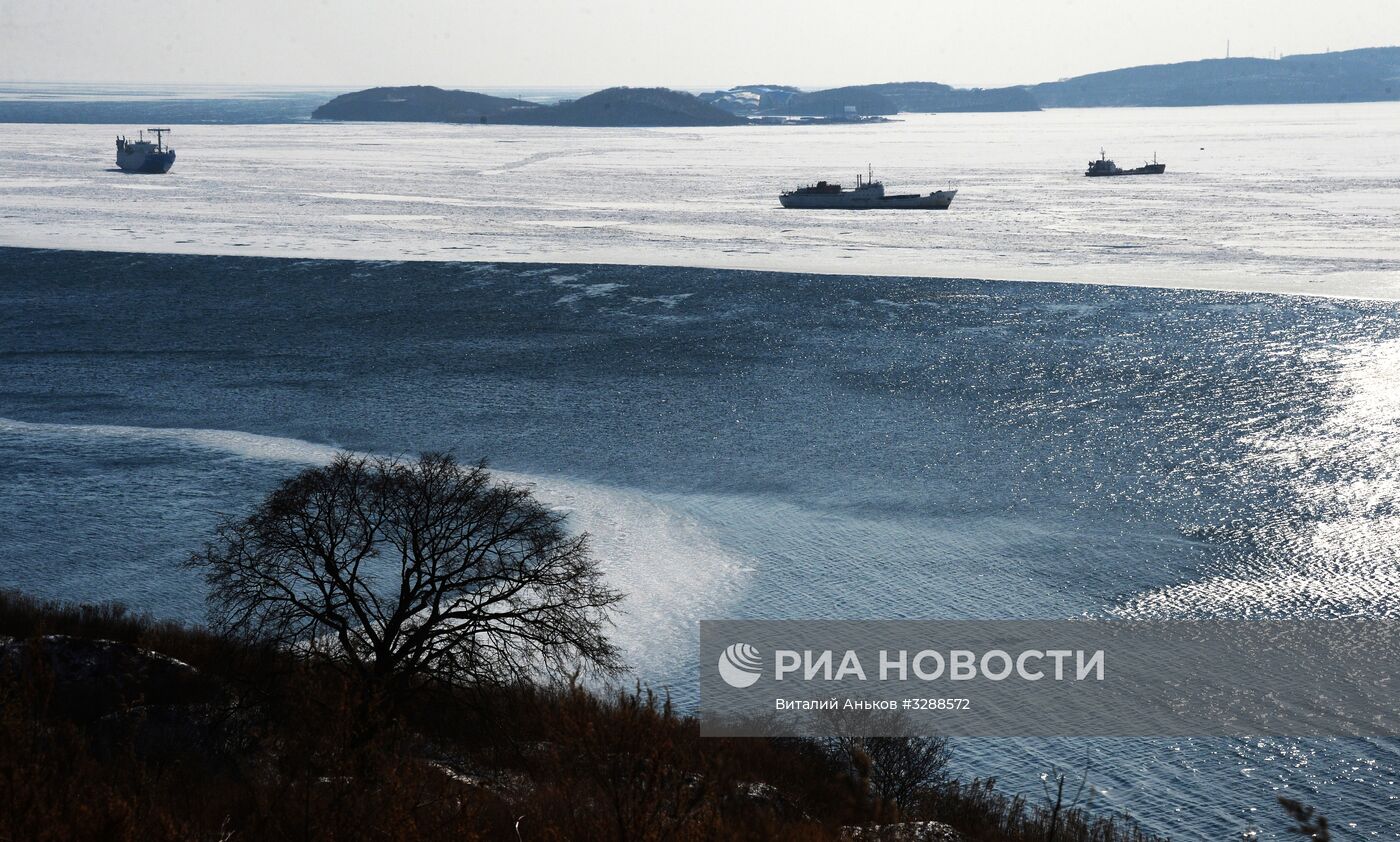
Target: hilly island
1365,75
610,107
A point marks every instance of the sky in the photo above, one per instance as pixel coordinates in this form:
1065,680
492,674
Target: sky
676,43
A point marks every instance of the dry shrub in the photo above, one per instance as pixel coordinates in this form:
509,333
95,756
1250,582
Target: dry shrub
281,749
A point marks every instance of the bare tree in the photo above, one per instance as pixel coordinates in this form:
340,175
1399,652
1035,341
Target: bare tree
898,766
903,767
411,568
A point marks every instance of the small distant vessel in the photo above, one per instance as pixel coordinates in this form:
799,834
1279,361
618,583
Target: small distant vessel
1103,166
142,155
868,194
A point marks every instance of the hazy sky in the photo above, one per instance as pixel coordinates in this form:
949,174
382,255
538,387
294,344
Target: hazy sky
660,42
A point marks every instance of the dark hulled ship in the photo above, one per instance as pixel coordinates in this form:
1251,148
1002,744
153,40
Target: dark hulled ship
142,155
868,194
1103,167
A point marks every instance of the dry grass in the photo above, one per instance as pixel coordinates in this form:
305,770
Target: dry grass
255,746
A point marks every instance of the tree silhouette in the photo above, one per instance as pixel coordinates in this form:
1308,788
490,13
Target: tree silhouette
398,569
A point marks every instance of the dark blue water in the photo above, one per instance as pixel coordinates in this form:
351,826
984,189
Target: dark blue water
769,445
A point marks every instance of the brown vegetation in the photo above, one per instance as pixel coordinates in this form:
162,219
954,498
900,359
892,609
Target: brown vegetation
238,742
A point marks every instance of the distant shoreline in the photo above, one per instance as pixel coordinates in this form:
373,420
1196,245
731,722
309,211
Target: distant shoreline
10,116
1349,76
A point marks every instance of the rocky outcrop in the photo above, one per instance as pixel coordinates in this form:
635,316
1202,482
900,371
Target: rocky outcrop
903,832
122,694
96,677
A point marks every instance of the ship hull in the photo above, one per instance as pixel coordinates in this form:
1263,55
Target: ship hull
141,162
939,200
1150,169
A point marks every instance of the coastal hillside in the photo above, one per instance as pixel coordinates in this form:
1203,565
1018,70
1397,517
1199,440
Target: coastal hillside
909,97
868,100
627,107
114,726
1367,75
1352,76
751,100
836,101
934,97
416,104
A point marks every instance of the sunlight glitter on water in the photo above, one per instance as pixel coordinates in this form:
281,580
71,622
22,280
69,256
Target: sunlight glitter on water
1341,560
